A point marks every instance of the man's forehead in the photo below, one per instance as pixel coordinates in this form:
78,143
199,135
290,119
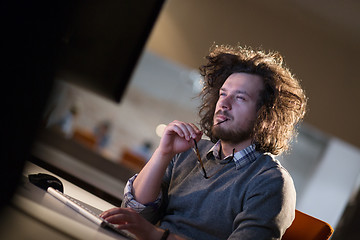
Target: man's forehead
245,83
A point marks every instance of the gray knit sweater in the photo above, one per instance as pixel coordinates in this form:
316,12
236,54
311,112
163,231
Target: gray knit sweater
253,199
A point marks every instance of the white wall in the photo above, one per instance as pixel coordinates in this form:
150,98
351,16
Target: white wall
332,183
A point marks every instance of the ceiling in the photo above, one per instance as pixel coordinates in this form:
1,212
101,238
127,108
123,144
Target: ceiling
318,39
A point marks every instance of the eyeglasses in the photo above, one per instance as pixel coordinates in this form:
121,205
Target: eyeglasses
202,164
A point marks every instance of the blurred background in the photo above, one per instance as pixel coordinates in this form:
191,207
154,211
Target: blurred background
320,44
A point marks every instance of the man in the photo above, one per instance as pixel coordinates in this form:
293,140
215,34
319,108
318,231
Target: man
230,187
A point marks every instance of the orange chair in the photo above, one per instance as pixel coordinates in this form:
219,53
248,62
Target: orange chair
306,227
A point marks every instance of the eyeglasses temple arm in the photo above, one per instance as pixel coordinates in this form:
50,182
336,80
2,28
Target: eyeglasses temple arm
198,155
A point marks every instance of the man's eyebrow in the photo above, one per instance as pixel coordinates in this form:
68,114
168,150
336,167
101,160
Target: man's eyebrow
243,92
237,91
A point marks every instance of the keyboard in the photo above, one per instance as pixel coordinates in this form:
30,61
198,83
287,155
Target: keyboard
89,214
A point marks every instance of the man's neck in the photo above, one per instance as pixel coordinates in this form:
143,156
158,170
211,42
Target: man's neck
227,147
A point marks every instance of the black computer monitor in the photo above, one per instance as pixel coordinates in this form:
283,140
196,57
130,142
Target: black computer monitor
94,43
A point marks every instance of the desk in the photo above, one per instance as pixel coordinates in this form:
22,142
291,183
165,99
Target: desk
35,214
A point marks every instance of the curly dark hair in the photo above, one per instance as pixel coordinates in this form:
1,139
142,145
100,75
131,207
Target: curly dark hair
282,103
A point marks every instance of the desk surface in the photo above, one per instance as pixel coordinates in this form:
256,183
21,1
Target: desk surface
35,214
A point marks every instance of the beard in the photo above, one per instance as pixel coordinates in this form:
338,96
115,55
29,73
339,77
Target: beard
233,136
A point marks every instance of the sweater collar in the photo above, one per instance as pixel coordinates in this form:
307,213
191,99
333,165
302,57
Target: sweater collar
241,158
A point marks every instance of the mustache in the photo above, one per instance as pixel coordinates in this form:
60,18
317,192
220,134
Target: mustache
224,113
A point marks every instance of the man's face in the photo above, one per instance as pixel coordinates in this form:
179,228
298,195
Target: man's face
235,111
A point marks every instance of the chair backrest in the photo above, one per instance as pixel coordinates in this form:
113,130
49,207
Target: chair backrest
306,227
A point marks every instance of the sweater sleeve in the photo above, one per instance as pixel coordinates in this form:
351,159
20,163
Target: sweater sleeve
129,201
269,207
152,211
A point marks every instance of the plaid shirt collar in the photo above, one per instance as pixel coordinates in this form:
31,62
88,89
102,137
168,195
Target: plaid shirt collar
241,158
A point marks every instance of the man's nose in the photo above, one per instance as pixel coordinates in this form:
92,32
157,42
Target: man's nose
226,103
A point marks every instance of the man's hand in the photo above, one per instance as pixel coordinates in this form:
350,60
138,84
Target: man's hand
128,219
177,137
